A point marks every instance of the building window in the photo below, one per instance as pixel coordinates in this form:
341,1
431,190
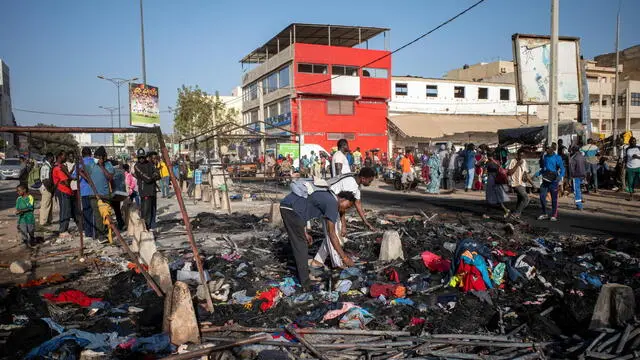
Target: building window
432,90
622,99
483,93
458,92
604,102
604,126
635,99
312,68
504,94
340,107
283,77
285,106
338,136
344,70
401,89
375,73
250,92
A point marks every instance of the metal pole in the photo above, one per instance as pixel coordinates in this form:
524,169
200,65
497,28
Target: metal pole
261,117
144,66
185,218
119,111
215,131
113,142
553,75
615,88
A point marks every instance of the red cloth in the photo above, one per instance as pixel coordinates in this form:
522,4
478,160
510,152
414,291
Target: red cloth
393,275
435,262
426,173
388,290
72,296
471,278
416,321
269,297
58,176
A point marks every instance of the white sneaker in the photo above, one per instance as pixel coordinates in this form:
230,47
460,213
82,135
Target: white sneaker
553,218
543,217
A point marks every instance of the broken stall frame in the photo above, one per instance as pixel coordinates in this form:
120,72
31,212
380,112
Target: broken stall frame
244,132
176,185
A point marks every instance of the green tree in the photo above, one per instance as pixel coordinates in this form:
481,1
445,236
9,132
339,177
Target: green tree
152,139
42,143
194,115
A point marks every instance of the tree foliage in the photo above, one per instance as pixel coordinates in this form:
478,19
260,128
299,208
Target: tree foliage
152,139
194,114
42,143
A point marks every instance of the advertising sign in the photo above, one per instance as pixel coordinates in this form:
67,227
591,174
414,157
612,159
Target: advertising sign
532,55
143,105
289,149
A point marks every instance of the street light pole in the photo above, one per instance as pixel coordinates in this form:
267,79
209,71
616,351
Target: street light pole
552,135
118,82
111,109
144,65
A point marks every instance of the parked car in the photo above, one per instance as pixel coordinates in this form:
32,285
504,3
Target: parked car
10,169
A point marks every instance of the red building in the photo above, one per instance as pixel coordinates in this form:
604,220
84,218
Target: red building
322,82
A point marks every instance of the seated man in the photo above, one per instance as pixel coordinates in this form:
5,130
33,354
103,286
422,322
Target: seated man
297,210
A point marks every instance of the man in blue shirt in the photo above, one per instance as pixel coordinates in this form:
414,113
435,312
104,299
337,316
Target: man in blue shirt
89,201
551,170
469,165
297,210
102,174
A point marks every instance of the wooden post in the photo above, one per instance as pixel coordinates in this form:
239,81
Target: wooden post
185,218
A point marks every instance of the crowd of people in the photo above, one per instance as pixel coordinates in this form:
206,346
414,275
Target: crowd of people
96,186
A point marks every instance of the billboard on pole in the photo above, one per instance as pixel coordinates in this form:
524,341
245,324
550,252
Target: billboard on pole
143,105
532,55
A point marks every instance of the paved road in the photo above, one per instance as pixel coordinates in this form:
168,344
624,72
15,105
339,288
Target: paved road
605,214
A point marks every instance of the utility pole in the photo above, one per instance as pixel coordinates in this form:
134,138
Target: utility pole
144,65
261,119
552,135
615,88
215,131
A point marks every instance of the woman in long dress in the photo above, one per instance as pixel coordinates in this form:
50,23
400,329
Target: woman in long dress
434,173
495,193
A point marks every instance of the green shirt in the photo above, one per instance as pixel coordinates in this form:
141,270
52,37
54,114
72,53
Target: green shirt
25,203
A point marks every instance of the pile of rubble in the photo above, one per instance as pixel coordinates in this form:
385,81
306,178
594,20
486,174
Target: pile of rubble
423,286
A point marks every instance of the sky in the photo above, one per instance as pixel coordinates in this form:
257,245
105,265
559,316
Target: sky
56,49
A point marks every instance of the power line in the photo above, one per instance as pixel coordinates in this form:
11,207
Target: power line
403,46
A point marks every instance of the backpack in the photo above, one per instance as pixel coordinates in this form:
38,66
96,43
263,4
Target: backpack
307,186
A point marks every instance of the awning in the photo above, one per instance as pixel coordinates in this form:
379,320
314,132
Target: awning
456,127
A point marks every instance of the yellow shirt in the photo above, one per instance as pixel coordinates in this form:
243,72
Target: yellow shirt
164,170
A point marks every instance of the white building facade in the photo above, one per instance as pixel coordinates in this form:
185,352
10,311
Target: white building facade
442,96
6,112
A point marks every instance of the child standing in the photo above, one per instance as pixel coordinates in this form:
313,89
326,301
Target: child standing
26,219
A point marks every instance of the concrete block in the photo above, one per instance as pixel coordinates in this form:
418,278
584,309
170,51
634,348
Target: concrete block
391,246
615,306
147,246
216,198
159,271
206,193
20,266
275,216
93,355
180,318
225,201
132,219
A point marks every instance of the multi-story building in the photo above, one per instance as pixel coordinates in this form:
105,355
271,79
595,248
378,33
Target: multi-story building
9,141
424,110
321,82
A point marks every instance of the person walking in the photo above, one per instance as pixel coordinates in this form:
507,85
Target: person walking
469,166
435,173
577,172
147,175
632,166
590,152
63,192
102,175
132,184
496,181
552,171
163,169
518,173
46,190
